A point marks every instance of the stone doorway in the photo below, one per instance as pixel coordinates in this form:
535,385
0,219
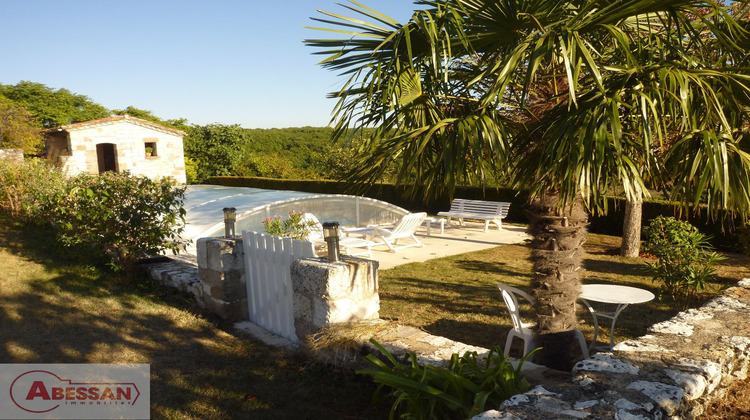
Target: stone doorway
106,156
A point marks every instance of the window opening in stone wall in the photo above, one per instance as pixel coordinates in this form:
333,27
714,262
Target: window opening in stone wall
150,149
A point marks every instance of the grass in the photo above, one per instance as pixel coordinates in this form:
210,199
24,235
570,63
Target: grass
457,297
54,311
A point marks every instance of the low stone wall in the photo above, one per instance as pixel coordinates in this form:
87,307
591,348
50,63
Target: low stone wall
221,275
327,293
672,372
11,154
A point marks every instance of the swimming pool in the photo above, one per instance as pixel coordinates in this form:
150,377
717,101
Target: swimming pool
204,204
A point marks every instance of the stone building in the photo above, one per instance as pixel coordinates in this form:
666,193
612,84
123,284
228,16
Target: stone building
119,143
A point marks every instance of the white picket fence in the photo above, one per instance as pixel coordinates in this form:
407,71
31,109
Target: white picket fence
269,282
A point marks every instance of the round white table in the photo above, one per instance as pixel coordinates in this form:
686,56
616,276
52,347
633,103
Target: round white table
622,296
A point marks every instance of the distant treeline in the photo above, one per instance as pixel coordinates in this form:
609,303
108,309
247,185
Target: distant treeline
28,108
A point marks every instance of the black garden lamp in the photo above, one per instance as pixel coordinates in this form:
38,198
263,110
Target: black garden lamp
331,235
230,216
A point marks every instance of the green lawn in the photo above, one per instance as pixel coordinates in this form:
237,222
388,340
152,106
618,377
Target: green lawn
57,312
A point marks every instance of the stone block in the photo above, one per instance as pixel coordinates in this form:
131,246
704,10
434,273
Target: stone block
220,254
337,292
303,308
348,277
15,155
347,310
230,311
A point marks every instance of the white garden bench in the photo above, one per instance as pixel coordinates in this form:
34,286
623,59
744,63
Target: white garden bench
489,211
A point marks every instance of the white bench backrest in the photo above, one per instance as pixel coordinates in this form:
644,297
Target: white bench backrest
461,205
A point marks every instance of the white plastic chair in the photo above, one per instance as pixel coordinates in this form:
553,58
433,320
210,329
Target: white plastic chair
405,228
526,331
315,235
523,330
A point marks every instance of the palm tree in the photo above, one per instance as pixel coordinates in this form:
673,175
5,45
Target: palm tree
571,100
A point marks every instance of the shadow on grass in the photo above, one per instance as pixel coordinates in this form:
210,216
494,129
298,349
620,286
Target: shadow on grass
469,332
449,297
498,268
51,312
615,267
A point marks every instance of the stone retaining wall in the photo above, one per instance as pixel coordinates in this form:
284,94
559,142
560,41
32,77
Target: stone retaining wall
672,372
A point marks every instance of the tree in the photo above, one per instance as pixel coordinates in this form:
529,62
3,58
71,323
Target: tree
18,129
180,124
570,99
216,149
53,107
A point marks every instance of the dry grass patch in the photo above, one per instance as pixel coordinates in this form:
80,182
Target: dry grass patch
53,312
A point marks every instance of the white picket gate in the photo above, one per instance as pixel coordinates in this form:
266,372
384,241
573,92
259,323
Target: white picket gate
269,282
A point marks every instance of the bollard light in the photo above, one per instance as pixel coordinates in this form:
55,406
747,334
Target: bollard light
230,216
331,235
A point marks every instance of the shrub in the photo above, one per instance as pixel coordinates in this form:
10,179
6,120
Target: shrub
462,390
191,171
118,215
27,189
293,227
685,258
124,216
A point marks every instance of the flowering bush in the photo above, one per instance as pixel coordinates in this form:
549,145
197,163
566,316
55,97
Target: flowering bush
294,227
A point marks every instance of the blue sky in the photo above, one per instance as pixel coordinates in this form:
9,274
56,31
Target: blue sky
212,61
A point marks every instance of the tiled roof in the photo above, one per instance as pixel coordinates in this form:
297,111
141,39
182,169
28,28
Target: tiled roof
118,118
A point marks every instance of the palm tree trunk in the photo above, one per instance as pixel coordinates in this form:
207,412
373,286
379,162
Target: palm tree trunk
631,229
557,249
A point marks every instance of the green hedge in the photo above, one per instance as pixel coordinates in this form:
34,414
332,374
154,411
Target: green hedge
610,224
385,192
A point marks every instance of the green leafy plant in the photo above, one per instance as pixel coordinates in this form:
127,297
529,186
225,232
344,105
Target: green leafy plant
126,217
686,260
27,189
292,227
462,390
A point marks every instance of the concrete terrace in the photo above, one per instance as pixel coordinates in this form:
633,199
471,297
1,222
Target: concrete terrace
456,240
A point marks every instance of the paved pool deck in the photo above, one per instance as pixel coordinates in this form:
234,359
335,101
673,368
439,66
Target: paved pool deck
455,240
